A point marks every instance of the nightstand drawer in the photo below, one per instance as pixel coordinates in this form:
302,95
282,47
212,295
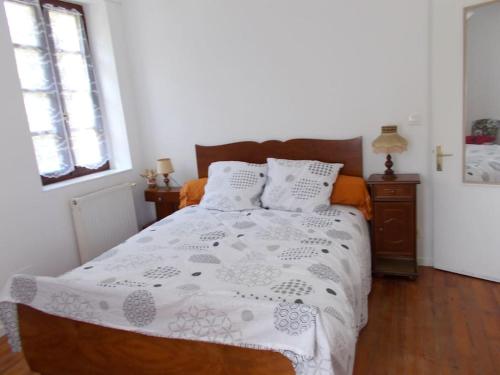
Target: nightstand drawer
393,191
162,197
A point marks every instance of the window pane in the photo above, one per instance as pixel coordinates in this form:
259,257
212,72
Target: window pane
73,71
58,82
66,31
80,109
87,148
51,155
23,24
33,66
42,112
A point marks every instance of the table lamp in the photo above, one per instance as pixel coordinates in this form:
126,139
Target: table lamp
165,167
389,142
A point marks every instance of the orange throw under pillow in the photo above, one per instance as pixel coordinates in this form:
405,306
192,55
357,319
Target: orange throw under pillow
348,190
192,192
352,191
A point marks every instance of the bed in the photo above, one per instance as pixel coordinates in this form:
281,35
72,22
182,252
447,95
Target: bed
260,292
482,163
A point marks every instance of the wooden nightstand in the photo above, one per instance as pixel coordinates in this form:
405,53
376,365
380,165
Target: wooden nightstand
394,233
166,201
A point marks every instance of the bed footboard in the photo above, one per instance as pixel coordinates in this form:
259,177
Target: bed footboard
60,346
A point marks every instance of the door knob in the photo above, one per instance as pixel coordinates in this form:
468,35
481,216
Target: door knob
439,158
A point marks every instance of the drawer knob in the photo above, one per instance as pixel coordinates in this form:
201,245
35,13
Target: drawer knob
160,199
381,229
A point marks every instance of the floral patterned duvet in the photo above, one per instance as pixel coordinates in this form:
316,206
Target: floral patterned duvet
274,280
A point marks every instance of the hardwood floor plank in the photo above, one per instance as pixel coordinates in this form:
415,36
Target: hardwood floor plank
423,321
461,335
409,329
442,323
12,363
483,323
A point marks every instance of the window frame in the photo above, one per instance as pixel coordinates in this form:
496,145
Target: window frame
78,171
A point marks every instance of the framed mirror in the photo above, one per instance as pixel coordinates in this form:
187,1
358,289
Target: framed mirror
482,93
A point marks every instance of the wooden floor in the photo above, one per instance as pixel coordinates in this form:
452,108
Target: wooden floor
442,323
11,364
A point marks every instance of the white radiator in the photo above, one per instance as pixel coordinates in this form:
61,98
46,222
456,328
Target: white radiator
103,220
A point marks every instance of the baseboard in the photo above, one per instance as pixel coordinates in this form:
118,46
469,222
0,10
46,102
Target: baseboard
462,272
425,261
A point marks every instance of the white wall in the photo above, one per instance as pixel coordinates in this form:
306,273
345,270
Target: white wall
36,232
220,71
483,64
217,71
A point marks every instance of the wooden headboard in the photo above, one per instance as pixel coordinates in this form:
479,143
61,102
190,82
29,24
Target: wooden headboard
348,151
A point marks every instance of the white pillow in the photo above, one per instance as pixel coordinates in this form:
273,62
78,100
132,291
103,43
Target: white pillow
234,186
299,185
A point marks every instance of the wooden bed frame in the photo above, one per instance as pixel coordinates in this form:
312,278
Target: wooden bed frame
60,346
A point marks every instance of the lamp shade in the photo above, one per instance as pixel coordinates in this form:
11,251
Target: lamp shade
164,166
389,141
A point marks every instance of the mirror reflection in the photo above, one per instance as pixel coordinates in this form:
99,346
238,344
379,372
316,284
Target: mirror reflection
482,94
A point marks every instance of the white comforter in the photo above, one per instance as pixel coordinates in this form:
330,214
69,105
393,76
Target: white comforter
288,282
482,163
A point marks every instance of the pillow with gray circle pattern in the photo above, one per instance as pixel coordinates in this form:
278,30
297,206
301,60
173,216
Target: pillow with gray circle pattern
234,186
299,185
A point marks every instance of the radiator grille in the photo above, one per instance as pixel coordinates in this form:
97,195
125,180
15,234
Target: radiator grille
103,219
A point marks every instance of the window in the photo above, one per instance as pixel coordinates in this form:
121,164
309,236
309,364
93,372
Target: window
59,88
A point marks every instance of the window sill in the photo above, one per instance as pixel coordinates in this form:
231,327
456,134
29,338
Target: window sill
90,177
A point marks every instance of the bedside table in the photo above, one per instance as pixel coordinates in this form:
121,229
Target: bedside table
394,232
166,201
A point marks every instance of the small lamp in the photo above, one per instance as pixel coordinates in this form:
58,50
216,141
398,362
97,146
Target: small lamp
165,167
389,142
